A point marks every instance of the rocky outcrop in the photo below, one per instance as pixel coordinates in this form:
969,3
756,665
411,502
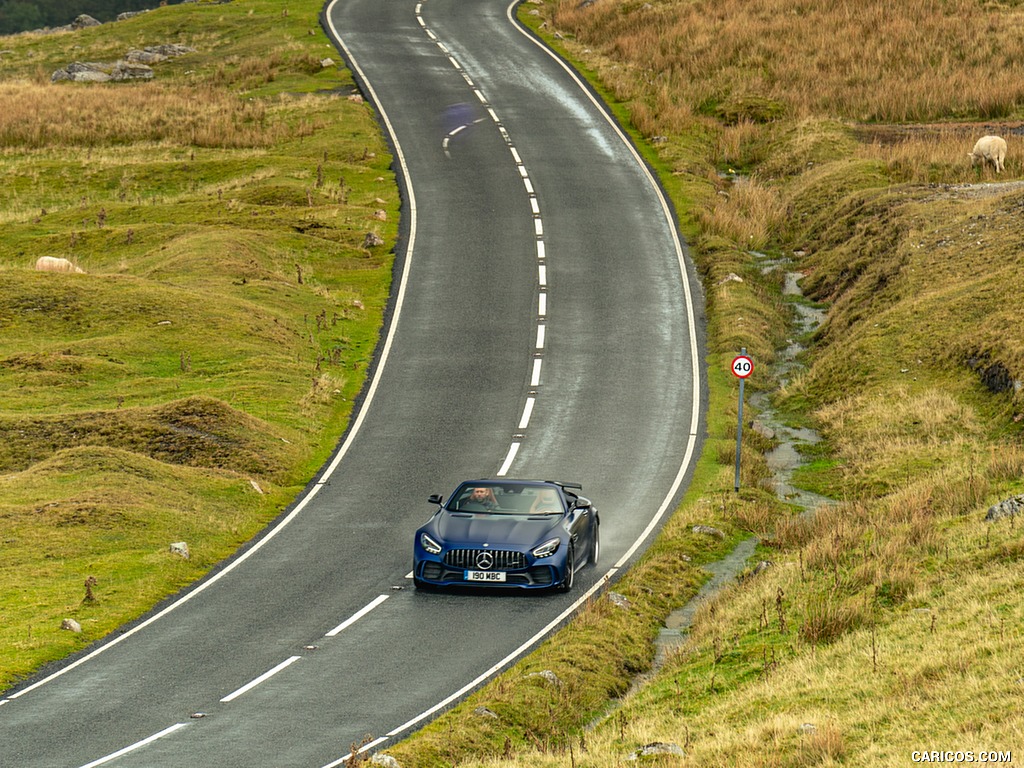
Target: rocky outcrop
98,72
136,65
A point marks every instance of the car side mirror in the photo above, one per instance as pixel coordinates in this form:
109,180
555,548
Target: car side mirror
435,498
582,503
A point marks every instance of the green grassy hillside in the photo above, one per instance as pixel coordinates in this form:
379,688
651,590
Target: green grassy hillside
189,383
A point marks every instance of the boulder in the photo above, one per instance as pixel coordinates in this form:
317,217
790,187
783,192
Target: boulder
83,21
82,72
658,748
71,625
125,70
1008,508
180,548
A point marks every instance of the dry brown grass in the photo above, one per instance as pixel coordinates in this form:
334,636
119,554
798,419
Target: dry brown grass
748,213
36,116
868,60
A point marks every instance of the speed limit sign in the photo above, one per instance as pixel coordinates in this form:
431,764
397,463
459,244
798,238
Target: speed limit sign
742,366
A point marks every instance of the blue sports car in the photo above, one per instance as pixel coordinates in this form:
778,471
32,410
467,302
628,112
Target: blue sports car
530,534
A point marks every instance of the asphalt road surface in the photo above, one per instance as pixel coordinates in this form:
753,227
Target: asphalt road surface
544,325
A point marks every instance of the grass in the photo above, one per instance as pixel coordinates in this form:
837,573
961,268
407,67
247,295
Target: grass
225,320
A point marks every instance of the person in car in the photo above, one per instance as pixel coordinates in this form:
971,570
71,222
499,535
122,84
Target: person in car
546,503
482,495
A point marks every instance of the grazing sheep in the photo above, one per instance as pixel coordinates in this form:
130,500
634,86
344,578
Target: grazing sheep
989,149
56,264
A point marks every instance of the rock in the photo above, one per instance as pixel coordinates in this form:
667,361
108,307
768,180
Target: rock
126,70
83,21
129,14
763,429
761,567
658,748
180,548
386,761
807,728
81,72
372,240
620,601
380,215
548,675
328,62
485,712
707,530
1008,508
71,625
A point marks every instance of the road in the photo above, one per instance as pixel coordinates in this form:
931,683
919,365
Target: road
544,324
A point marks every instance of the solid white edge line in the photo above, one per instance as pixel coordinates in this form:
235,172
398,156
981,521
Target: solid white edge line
261,679
524,422
512,451
356,616
136,745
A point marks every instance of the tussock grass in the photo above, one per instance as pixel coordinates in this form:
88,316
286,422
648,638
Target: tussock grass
205,116
865,61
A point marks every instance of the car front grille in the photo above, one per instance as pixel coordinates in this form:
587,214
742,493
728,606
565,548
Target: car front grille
504,560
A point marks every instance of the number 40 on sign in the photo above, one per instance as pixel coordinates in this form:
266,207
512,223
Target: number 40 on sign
742,366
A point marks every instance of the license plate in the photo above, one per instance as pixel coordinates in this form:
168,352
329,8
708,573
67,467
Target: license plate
491,576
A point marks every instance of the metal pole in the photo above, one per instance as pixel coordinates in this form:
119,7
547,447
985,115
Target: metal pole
739,429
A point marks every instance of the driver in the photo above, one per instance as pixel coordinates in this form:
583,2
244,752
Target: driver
482,495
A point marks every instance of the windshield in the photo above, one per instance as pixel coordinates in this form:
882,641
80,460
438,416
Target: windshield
507,499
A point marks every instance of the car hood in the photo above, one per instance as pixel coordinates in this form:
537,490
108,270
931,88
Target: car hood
496,530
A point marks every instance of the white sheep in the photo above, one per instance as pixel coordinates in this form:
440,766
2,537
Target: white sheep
56,264
989,149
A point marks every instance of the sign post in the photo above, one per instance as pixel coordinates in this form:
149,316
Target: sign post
742,367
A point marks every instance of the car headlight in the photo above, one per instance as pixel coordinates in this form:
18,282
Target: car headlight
429,544
547,549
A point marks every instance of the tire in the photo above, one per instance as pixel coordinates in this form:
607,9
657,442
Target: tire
570,570
595,546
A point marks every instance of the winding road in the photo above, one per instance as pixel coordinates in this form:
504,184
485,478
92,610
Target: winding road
544,324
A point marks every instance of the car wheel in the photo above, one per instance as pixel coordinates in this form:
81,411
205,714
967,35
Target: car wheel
570,570
595,546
